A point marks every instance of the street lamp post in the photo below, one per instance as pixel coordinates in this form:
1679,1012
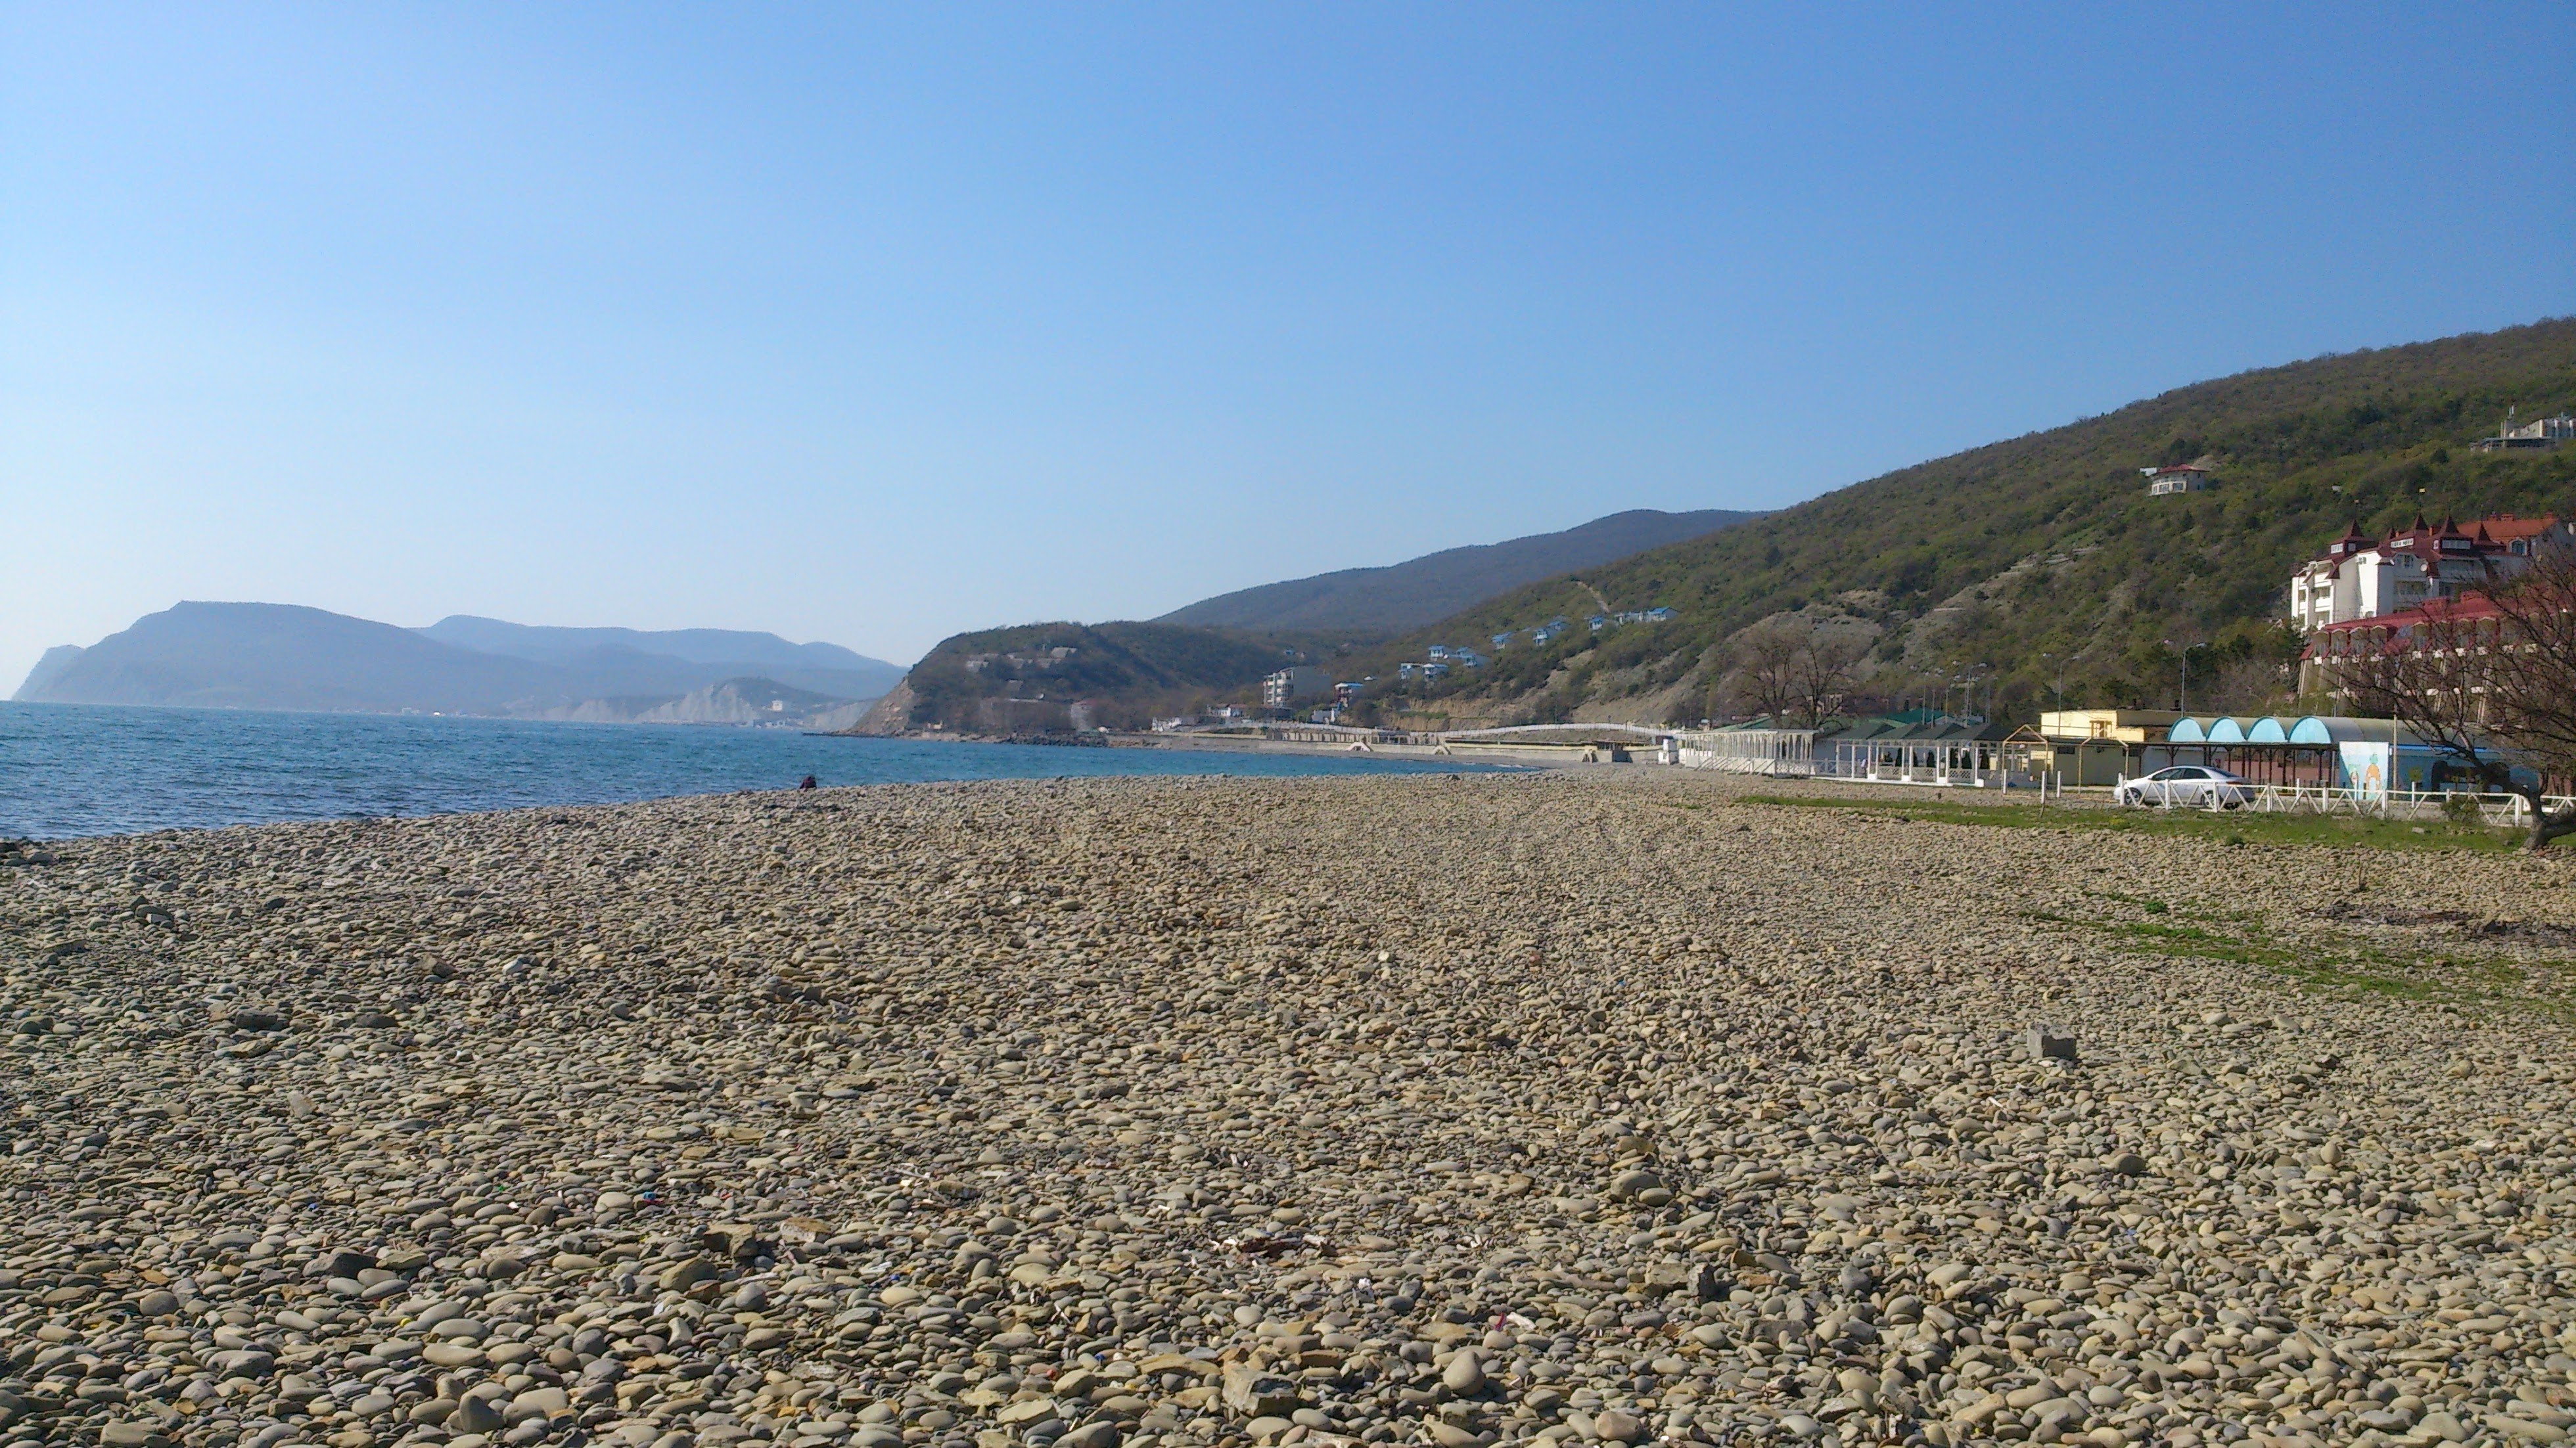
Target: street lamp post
2185,655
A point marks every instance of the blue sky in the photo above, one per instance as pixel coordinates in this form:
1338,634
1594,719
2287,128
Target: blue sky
874,324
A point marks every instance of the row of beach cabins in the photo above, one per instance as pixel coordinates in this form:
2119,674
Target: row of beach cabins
2358,758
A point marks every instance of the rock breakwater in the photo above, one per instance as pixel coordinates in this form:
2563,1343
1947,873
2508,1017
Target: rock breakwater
1194,1113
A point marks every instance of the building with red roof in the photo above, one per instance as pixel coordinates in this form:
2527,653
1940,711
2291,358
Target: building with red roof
2183,478
2360,577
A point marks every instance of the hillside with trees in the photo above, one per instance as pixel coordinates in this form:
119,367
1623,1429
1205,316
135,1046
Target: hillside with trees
1424,590
2033,570
1025,679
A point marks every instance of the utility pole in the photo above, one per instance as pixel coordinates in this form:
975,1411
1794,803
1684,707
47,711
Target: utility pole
2184,654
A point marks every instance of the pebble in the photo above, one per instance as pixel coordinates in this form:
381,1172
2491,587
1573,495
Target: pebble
1166,1113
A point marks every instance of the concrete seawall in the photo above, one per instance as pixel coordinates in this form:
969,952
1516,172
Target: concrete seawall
1529,756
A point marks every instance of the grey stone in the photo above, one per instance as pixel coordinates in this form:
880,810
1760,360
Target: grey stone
1465,1373
2047,1043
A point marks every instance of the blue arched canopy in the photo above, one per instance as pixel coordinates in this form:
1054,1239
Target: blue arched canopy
2340,729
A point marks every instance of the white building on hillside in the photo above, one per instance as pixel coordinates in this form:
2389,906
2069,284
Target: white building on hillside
2538,435
2188,478
1287,686
2357,577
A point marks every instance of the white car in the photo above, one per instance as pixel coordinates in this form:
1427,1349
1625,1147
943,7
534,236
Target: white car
2187,786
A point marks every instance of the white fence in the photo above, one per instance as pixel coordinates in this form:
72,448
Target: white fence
2500,810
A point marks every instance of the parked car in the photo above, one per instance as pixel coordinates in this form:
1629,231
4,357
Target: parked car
2187,786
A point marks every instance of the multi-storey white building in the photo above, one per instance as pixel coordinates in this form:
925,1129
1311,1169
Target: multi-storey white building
2357,577
1287,686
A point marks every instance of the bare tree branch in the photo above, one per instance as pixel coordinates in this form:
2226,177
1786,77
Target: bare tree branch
2488,680
1767,668
1825,662
1795,669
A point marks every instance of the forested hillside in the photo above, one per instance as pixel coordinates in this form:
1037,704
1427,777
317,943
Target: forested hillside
1435,586
1022,679
2041,565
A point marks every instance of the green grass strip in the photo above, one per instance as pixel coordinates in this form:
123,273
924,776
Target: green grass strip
2236,827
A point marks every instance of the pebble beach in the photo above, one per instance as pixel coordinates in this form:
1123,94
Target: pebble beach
1606,1106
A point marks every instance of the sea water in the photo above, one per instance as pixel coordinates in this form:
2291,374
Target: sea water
70,769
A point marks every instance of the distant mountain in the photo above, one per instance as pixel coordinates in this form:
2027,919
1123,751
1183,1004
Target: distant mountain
734,701
1030,678
1435,586
820,668
280,656
1046,677
56,661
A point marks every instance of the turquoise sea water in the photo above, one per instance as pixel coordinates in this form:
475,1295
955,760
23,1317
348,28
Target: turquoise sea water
68,770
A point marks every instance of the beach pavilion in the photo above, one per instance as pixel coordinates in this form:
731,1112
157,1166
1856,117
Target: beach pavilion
2313,751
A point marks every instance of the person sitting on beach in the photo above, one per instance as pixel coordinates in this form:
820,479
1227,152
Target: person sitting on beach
808,784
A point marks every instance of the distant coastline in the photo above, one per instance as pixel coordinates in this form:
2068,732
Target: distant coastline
286,657
79,770
458,716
